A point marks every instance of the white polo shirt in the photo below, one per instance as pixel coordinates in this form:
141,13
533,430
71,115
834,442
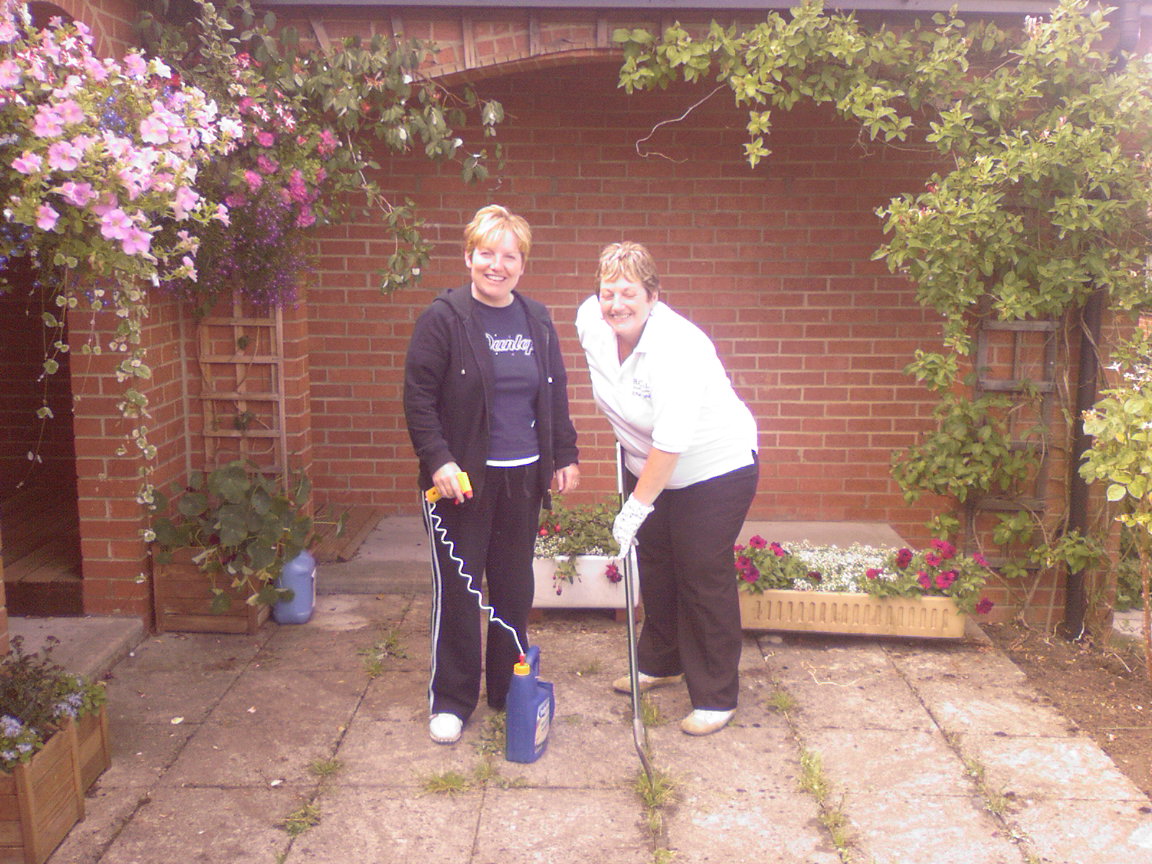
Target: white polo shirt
671,393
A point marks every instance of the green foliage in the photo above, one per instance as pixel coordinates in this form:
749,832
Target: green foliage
583,529
244,525
970,452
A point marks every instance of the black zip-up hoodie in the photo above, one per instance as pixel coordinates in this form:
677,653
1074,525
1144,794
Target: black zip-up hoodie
449,387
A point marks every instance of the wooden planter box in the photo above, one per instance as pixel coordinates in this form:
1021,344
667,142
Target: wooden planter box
41,800
182,598
591,590
93,746
862,614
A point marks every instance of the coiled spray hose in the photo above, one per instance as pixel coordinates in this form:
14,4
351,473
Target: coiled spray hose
431,497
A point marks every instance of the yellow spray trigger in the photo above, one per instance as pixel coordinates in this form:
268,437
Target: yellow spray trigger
433,495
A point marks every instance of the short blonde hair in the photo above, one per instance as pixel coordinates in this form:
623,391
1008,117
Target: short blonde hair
628,260
492,221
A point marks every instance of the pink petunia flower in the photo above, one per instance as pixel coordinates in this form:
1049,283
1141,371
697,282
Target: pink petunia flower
751,574
185,202
46,217
946,549
984,606
253,179
137,241
114,224
47,123
872,573
265,139
70,112
777,550
27,163
135,66
924,579
979,559
903,558
305,217
10,74
63,156
266,165
328,143
932,559
758,542
77,194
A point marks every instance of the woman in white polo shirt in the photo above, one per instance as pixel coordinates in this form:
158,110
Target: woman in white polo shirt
689,446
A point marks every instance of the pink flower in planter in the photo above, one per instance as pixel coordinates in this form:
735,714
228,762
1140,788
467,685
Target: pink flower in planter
946,549
612,572
872,573
903,558
944,580
757,542
777,550
925,580
932,559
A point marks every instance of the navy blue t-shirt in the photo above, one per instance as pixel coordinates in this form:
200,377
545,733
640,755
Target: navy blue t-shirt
513,422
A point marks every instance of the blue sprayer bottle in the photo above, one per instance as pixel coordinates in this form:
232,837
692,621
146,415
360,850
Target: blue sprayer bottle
531,704
299,575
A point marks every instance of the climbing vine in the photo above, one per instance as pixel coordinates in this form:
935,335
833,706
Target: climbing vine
1042,193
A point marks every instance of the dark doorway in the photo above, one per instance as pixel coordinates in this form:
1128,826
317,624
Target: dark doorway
39,513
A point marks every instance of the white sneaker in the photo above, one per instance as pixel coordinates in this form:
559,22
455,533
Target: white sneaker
704,722
445,728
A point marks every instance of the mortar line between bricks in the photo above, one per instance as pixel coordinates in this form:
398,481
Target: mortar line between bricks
146,797
1018,836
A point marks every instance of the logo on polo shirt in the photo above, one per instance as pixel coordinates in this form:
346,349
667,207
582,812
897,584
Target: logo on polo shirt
642,389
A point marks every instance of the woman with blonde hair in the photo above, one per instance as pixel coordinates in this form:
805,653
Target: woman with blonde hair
485,393
689,449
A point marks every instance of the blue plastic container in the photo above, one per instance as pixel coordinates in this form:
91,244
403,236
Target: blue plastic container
299,576
531,705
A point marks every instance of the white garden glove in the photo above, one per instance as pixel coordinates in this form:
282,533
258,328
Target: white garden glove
628,522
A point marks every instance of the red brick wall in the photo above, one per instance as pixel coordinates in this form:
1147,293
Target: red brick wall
773,263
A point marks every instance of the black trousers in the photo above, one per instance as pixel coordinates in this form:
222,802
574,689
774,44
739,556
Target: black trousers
688,584
494,536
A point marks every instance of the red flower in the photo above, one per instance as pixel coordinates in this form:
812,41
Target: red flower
777,550
815,576
924,579
932,559
984,606
903,558
750,574
944,580
613,572
946,549
757,542
979,559
872,573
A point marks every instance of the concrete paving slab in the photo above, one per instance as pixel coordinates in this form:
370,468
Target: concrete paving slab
209,826
143,752
270,726
1073,831
866,761
400,754
208,652
579,756
1067,767
398,693
944,829
972,664
160,697
88,645
759,760
994,711
530,825
711,826
387,825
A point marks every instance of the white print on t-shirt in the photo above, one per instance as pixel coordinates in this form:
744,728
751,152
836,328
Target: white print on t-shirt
510,345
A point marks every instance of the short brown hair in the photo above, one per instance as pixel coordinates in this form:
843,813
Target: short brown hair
492,221
630,261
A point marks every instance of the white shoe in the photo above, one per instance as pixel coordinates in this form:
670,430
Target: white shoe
445,728
704,722
646,682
